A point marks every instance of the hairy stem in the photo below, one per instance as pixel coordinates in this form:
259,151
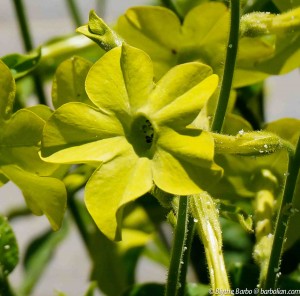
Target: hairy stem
176,262
285,211
208,226
231,53
28,45
186,256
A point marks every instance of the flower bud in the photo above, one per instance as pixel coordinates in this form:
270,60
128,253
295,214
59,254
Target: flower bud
264,23
251,143
100,32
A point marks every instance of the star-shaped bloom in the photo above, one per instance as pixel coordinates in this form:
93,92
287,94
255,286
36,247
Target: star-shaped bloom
203,35
136,132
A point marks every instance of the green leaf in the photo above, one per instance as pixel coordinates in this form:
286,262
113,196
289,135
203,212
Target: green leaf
286,5
3,179
148,289
43,195
69,82
7,92
236,214
38,255
196,289
21,64
100,32
91,289
9,255
184,6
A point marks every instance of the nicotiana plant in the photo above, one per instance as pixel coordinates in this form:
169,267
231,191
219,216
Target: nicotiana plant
166,123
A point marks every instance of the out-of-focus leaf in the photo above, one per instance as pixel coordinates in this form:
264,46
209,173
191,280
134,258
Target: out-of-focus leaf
149,289
9,253
38,255
236,214
184,6
196,289
3,179
91,289
21,64
286,5
244,276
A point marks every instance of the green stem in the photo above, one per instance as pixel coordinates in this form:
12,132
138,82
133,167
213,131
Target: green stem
186,256
73,207
282,220
231,53
73,9
178,248
28,45
208,226
5,288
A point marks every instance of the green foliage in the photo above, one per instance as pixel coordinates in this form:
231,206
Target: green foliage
133,130
38,255
19,159
21,65
9,254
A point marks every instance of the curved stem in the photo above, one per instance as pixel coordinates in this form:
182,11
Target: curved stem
73,9
178,248
28,45
285,211
231,53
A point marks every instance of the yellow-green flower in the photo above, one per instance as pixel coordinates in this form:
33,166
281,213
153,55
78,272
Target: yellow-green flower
138,134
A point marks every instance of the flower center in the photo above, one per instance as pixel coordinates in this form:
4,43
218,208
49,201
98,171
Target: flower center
148,131
142,135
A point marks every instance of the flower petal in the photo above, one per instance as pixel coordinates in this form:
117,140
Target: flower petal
77,132
137,70
105,85
183,164
185,108
112,186
175,83
43,195
120,82
156,30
